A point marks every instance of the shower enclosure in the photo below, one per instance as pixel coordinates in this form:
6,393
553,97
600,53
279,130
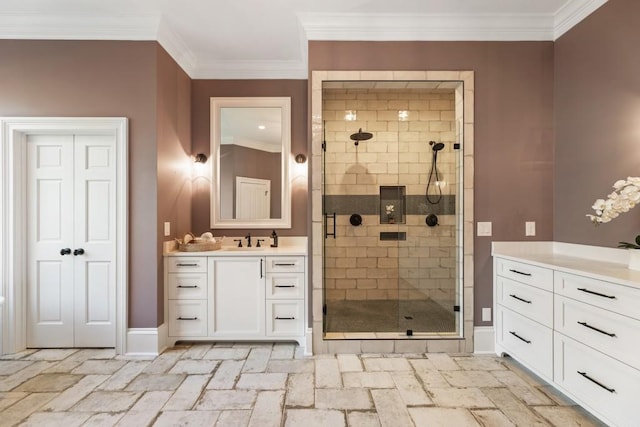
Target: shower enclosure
392,209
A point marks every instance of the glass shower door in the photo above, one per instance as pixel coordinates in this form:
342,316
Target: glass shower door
390,204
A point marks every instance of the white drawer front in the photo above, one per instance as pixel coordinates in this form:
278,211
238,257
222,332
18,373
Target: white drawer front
608,387
624,300
525,273
526,340
285,318
618,336
285,285
187,318
187,285
527,300
190,264
279,264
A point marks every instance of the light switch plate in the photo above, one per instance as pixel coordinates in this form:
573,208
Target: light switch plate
484,228
486,314
167,229
530,228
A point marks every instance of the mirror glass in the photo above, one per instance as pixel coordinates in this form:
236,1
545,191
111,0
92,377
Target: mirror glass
251,147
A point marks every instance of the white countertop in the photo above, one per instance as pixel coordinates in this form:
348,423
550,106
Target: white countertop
591,261
288,246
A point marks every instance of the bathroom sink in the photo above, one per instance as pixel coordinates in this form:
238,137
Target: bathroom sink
244,249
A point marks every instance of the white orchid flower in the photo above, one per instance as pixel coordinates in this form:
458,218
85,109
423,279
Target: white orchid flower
619,184
626,196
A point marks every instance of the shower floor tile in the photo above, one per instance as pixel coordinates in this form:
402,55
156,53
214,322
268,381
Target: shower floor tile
371,316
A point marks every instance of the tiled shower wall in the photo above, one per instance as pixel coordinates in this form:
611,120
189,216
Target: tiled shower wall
358,265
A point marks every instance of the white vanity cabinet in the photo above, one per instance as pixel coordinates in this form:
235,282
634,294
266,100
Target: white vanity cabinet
186,288
237,301
285,296
235,296
524,310
597,345
578,324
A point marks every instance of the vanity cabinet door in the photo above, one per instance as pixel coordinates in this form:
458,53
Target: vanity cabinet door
237,297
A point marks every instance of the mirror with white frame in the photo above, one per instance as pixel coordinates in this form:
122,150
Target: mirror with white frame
251,150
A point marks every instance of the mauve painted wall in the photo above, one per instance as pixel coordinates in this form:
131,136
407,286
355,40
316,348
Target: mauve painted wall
99,78
513,128
174,160
201,92
597,114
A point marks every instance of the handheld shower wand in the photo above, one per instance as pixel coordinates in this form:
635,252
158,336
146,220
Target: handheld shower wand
435,147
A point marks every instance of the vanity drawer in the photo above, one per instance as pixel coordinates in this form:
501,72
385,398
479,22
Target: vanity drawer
187,318
277,264
285,318
621,299
527,300
526,340
190,264
603,330
525,273
187,285
606,386
285,285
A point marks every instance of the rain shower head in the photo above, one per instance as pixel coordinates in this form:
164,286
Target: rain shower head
361,136
436,146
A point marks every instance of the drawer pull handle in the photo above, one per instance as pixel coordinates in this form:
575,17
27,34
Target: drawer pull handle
586,325
285,318
519,337
187,286
584,374
285,286
520,272
597,293
186,265
187,318
520,299
282,264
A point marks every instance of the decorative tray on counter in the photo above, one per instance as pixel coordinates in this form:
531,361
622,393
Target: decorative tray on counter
199,246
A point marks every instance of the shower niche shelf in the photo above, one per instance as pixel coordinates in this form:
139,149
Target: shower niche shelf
392,204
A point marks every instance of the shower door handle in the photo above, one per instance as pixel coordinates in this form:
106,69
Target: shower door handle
326,225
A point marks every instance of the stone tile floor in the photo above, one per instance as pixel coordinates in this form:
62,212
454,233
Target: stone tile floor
264,384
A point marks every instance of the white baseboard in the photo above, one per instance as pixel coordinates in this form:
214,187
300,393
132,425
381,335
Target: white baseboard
146,341
308,348
483,340
163,337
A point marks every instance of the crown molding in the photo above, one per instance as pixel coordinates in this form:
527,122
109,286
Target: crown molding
78,27
313,26
447,27
177,48
427,27
249,69
572,13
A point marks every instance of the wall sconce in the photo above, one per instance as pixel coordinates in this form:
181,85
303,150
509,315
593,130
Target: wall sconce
300,158
200,158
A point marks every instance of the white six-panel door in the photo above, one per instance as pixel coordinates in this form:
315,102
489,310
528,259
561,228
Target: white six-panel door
253,198
71,240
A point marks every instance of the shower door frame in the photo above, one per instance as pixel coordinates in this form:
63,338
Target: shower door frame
463,82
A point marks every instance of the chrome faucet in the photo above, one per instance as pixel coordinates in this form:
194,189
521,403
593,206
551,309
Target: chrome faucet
248,237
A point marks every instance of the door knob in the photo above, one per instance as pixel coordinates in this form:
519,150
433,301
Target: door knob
78,251
65,251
